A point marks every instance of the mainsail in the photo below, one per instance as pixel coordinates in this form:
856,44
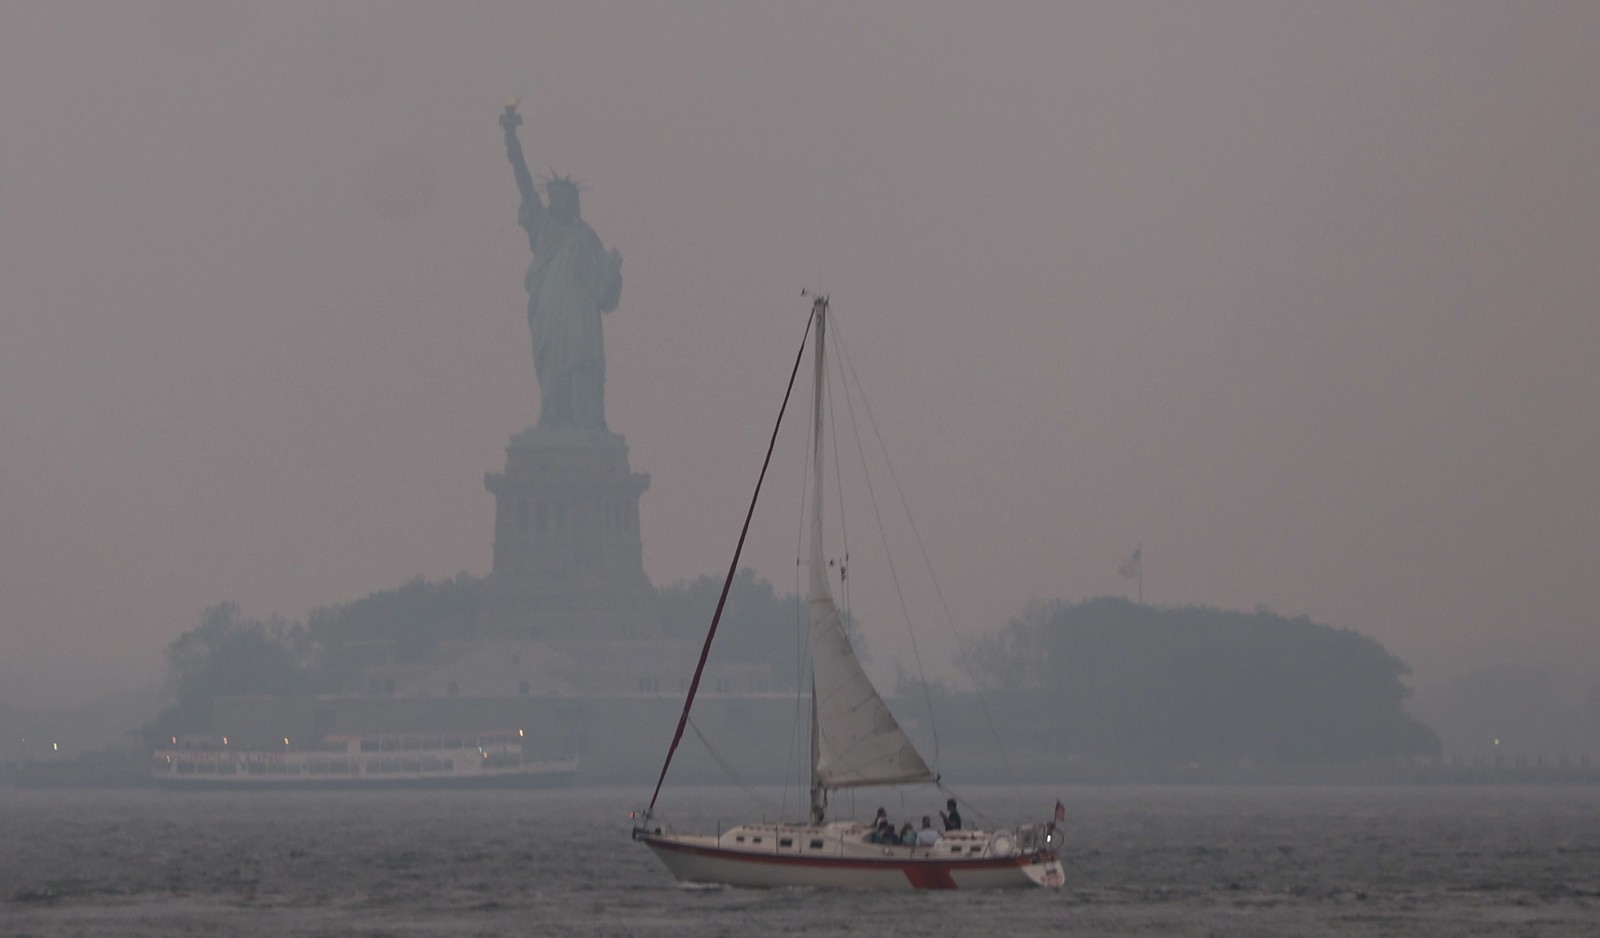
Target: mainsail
855,739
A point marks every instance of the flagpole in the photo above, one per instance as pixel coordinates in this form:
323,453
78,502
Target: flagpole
1134,567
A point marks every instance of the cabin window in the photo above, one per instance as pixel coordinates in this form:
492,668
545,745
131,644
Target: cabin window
956,849
740,839
816,845
755,840
786,842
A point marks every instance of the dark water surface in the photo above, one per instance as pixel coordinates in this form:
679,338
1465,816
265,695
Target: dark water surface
1175,860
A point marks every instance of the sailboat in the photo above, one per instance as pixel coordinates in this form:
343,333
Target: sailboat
855,742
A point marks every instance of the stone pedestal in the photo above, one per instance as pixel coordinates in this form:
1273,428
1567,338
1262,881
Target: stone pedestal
568,559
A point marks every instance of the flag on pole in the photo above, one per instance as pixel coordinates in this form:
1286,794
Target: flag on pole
1134,565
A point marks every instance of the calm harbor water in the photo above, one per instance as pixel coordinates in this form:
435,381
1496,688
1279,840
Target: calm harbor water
1177,860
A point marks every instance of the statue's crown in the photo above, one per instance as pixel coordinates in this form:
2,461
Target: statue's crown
554,181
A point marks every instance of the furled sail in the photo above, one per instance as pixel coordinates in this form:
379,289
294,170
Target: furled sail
856,740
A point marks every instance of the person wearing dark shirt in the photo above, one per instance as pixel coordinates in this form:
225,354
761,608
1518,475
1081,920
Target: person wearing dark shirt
876,834
951,817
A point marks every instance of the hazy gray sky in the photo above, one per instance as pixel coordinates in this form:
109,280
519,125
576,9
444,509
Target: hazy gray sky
1300,297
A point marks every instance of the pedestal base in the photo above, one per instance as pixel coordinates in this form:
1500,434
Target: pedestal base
568,557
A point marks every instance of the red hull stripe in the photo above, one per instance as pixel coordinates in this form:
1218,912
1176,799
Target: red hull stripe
930,873
929,876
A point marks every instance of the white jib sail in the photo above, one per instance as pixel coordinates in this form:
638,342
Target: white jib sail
857,740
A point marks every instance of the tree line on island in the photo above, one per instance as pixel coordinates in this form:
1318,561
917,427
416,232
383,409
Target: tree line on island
1101,679
1111,679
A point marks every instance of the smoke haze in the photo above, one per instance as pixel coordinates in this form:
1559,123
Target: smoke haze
1298,298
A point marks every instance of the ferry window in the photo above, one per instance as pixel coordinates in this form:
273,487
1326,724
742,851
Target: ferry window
740,838
816,845
786,842
756,840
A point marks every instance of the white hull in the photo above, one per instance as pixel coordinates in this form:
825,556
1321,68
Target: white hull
785,857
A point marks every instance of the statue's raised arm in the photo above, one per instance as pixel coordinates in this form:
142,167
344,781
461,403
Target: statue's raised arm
532,211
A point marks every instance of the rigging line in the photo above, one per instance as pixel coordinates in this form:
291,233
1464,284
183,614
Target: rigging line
796,730
799,734
950,622
976,812
733,773
733,567
905,507
872,498
838,492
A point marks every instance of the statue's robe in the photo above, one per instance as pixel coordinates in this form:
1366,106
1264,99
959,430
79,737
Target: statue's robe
571,281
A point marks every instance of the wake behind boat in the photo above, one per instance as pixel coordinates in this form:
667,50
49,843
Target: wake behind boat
855,743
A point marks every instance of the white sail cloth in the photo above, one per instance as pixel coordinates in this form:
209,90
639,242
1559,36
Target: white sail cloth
858,741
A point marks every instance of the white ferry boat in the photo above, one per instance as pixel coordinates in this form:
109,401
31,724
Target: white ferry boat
408,760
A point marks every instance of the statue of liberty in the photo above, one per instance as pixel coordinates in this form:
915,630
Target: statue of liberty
571,281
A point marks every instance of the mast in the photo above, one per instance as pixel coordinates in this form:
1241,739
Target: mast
819,576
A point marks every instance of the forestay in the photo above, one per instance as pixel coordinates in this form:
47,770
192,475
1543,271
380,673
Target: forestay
856,740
